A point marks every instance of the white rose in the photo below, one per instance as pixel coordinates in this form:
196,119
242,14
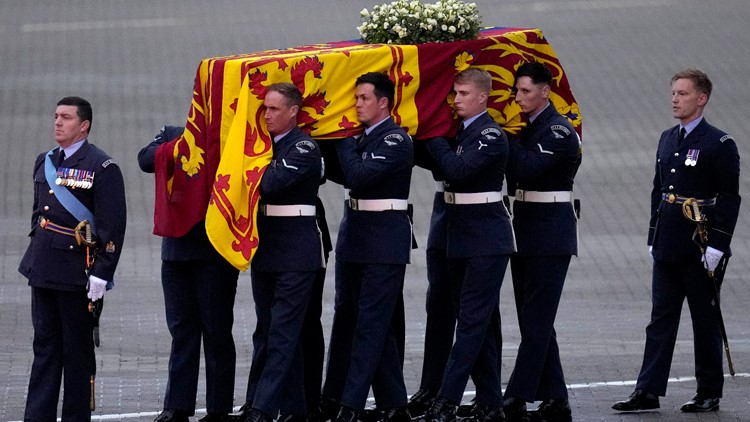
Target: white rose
444,27
451,29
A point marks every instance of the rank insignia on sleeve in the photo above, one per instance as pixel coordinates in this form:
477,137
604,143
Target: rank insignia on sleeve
109,247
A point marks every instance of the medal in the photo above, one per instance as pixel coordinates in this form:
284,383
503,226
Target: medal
691,159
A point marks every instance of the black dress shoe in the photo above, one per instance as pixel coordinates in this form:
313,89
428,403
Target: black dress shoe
255,415
370,414
420,403
171,415
700,404
484,413
244,411
328,409
396,414
639,400
442,410
515,409
465,410
553,410
347,414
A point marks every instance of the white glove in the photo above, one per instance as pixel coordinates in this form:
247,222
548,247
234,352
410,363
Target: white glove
97,287
651,250
711,258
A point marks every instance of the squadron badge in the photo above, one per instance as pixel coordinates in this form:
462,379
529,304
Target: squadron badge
393,139
561,128
304,146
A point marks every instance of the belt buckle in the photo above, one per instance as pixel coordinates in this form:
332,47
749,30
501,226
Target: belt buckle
449,197
43,222
671,198
353,204
519,195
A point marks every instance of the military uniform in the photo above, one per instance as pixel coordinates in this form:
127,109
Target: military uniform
284,271
541,169
441,318
55,266
199,291
479,243
372,251
705,166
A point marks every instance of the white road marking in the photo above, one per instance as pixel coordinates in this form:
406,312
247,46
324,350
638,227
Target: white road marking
466,394
577,5
106,24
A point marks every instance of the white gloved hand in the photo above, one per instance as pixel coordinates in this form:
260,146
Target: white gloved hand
711,258
651,250
97,287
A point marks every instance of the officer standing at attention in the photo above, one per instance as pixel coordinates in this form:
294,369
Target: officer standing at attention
480,241
287,262
199,290
541,169
372,251
75,186
696,160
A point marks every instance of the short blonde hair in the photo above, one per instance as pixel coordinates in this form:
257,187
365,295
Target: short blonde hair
476,76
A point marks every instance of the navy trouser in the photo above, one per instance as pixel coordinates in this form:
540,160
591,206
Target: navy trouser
63,351
441,321
672,283
537,284
281,300
366,332
199,303
475,288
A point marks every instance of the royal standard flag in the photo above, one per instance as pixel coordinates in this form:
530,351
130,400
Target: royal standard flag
213,171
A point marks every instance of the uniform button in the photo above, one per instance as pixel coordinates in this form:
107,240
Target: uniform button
51,192
676,154
674,171
70,247
671,187
46,207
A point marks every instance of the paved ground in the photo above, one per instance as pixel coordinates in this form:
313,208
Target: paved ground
135,60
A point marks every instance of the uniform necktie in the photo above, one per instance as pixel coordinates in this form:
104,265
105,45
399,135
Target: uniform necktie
681,137
60,157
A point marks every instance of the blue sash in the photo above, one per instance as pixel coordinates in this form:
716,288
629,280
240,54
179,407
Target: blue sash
66,198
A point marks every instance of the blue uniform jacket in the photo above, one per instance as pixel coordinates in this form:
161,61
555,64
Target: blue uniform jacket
437,237
715,174
194,246
54,260
476,163
292,178
376,166
546,158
